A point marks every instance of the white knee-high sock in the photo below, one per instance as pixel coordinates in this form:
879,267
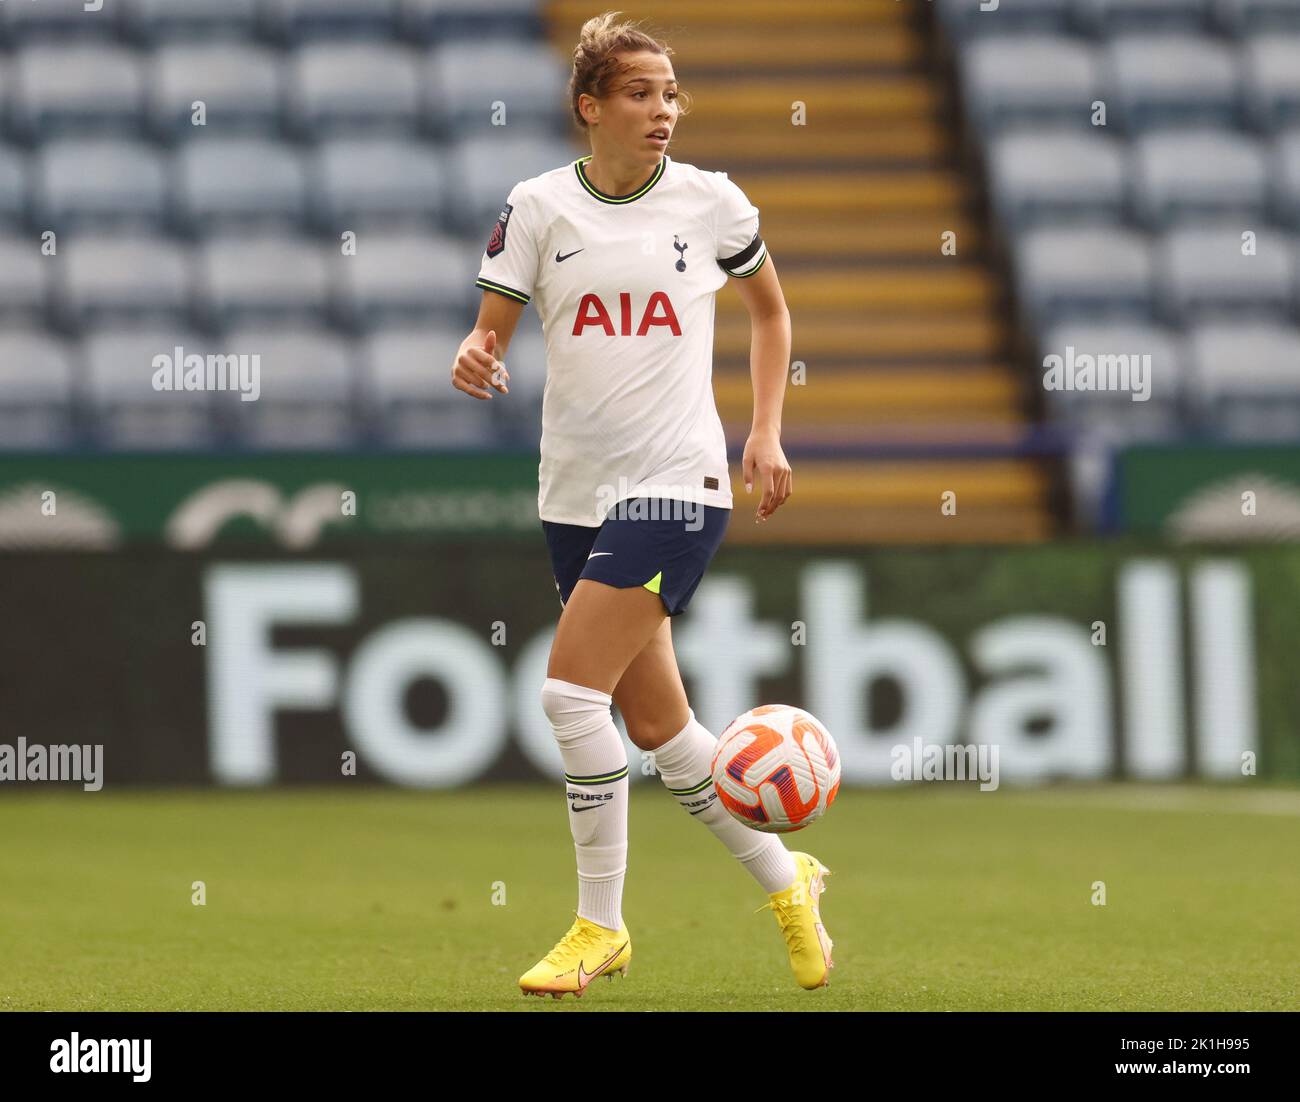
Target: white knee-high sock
595,781
684,765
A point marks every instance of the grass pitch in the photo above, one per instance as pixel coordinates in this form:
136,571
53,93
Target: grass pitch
384,900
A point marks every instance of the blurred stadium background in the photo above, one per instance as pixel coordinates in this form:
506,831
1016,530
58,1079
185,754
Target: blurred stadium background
1108,589
950,212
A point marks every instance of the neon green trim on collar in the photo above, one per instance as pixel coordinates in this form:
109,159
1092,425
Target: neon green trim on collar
596,193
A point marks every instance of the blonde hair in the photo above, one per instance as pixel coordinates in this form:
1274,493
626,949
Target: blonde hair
596,65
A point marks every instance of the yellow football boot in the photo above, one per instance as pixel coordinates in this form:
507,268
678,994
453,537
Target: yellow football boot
800,920
585,952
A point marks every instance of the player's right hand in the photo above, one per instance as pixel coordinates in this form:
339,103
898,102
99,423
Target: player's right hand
477,369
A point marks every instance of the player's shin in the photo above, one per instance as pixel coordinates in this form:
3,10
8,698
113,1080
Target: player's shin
595,775
684,764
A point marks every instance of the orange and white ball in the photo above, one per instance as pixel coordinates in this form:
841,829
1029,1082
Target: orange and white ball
776,768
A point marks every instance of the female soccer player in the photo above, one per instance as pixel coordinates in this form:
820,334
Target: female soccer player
622,252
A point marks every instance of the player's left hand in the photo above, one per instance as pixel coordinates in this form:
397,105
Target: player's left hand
763,455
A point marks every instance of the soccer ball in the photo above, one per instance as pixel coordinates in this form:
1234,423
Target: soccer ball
776,769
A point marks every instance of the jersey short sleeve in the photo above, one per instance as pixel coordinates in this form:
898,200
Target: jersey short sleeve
509,264
741,251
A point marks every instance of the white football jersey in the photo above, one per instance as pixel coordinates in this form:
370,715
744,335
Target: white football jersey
625,287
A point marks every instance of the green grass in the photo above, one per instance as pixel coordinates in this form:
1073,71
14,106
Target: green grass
383,900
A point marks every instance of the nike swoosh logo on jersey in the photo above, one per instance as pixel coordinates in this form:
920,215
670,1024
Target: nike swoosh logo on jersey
595,553
585,977
561,259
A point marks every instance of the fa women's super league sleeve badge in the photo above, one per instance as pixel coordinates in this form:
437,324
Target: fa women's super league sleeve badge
497,241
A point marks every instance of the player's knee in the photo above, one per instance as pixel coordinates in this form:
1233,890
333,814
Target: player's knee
574,711
640,738
643,733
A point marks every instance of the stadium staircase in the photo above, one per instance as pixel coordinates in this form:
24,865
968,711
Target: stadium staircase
908,386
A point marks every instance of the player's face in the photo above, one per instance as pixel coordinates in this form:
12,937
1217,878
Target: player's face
642,101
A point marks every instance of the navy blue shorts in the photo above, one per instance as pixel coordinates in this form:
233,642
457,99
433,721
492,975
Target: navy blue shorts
659,543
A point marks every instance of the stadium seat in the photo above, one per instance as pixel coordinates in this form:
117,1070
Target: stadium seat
245,281
79,88
108,280
963,18
13,184
363,181
37,391
1084,271
97,181
410,396
1057,177
308,390
24,280
151,20
57,19
1108,17
407,279
126,412
1202,272
1271,72
367,88
1173,80
442,20
1248,379
294,20
1286,178
1243,17
1121,415
238,182
1198,174
487,168
1099,421
466,81
1030,80
239,84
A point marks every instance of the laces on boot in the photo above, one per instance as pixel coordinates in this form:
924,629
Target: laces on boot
579,935
788,920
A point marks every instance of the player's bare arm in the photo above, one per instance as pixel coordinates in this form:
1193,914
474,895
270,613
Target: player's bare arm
480,360
769,358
